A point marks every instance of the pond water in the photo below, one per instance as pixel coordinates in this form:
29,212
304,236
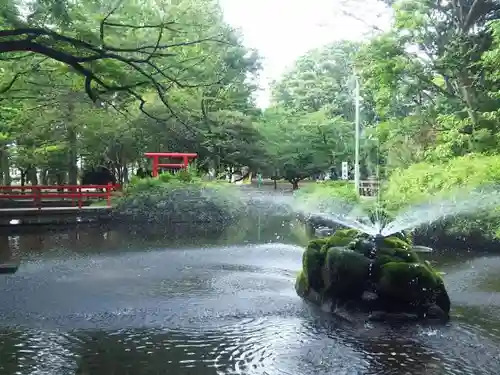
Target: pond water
104,300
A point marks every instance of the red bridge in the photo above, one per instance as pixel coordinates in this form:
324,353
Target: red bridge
77,194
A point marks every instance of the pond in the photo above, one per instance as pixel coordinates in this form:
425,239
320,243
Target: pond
110,300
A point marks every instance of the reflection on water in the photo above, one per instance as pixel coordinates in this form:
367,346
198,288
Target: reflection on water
108,301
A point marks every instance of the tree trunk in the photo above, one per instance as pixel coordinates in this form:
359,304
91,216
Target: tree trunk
72,143
31,176
5,167
125,174
44,177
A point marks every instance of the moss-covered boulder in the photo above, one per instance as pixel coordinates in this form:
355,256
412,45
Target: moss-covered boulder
380,276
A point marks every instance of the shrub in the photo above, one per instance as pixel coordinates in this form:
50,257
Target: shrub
328,195
181,197
452,181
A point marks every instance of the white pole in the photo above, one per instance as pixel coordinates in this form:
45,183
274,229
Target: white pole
356,140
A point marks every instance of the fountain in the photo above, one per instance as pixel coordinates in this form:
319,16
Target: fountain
373,267
354,272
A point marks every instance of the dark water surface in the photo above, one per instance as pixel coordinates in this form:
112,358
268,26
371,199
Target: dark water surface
108,301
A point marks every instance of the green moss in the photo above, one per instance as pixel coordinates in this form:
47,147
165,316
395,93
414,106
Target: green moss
404,236
301,284
413,284
312,263
401,273
399,255
317,243
342,237
394,242
361,246
338,268
345,272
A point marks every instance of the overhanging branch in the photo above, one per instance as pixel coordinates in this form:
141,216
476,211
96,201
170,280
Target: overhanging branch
144,65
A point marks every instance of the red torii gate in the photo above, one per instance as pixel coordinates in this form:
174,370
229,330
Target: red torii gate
173,155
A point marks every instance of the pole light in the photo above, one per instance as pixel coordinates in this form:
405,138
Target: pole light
356,138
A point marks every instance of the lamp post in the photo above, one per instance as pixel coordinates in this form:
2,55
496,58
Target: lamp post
356,137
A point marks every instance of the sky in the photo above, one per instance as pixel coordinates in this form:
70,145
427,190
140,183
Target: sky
283,30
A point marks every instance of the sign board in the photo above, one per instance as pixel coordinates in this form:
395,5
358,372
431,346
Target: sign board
345,170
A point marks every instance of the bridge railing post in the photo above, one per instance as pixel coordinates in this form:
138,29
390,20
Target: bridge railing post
108,194
35,190
79,192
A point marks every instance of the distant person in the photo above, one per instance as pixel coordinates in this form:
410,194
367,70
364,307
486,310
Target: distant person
259,179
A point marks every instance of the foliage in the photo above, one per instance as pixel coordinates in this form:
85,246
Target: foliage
328,196
430,80
182,197
423,181
309,130
102,83
300,146
470,182
94,83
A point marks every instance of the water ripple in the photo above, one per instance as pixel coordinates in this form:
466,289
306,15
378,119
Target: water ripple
218,311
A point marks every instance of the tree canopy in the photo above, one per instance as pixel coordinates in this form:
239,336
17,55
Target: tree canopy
99,83
103,82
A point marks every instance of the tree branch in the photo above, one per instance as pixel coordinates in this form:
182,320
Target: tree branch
48,43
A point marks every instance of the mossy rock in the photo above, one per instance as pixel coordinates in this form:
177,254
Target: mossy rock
404,236
312,262
396,242
399,255
347,267
344,273
412,285
301,285
342,237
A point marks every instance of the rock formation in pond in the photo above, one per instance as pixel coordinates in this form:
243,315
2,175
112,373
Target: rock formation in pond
381,276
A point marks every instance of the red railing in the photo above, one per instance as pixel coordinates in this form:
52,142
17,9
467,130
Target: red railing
77,193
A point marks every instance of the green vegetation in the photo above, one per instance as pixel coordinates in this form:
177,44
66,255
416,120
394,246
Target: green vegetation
343,268
102,83
326,196
180,198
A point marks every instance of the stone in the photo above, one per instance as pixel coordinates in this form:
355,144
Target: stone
436,313
382,277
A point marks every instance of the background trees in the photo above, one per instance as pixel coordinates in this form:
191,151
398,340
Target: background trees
97,84
103,82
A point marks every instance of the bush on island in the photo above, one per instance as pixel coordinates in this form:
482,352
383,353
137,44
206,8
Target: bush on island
181,197
345,270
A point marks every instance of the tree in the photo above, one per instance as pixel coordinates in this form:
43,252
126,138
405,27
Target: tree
122,51
427,70
321,78
303,145
192,78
